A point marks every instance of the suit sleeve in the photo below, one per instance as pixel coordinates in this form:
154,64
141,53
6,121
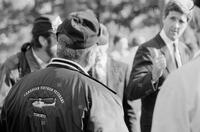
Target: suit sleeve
140,82
130,115
3,121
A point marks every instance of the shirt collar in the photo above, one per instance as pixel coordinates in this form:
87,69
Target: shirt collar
166,39
40,62
68,63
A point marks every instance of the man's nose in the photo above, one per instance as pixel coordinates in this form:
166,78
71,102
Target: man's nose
176,24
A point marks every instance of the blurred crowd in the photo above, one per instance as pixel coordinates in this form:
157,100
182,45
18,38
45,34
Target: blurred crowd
73,75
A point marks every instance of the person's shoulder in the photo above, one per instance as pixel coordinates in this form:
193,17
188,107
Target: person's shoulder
151,42
93,83
188,70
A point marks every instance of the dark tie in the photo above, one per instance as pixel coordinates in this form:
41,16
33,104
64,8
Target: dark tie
177,58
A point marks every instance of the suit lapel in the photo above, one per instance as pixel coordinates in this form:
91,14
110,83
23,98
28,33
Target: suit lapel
182,53
165,51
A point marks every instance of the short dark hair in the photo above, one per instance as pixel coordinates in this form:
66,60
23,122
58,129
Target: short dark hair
42,26
35,40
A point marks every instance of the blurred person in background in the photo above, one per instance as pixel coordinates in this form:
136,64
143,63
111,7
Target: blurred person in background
133,47
120,51
157,58
63,97
114,74
110,72
33,56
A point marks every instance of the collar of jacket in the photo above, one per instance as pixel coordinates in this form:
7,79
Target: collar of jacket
59,62
68,64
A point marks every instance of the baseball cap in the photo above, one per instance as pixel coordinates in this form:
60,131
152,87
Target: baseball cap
41,25
83,29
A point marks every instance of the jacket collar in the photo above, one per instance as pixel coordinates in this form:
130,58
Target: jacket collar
59,62
68,64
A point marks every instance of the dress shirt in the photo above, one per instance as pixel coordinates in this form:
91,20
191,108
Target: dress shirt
170,46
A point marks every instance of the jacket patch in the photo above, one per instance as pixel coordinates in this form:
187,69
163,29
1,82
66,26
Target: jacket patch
39,102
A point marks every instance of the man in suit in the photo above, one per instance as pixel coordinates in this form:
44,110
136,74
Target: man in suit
158,57
181,109
112,73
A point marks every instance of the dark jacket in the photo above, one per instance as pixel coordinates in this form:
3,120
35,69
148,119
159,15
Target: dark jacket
140,82
62,98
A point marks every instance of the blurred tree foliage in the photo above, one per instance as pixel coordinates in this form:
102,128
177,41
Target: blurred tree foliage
121,16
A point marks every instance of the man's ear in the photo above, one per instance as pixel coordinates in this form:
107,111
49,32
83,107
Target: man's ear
42,41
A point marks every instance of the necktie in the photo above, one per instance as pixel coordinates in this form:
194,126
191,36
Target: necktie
177,57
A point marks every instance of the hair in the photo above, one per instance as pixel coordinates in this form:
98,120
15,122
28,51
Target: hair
42,26
77,55
116,39
173,6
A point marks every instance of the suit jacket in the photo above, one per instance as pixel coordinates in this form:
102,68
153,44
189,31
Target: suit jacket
118,74
140,84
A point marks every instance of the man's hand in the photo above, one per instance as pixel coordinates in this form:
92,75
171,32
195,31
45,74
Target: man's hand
159,64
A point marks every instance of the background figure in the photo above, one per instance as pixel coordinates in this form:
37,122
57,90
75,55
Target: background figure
63,97
120,51
33,56
158,57
114,74
133,47
110,72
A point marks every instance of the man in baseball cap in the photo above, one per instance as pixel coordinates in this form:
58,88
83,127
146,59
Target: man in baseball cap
63,97
33,55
